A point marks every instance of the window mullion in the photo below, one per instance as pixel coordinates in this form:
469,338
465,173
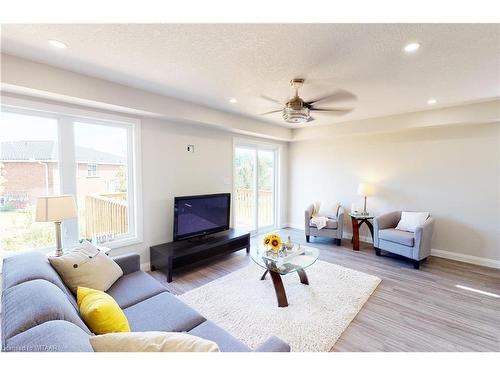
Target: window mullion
67,172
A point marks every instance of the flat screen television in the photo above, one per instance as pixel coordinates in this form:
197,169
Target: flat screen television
199,215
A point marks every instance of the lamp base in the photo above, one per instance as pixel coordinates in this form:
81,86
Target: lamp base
365,213
59,251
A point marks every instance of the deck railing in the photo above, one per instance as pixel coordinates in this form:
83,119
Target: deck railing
245,207
106,215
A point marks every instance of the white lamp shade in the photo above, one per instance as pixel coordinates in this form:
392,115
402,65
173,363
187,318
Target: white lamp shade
55,208
365,189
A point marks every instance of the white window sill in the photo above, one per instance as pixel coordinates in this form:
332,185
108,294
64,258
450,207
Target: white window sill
122,243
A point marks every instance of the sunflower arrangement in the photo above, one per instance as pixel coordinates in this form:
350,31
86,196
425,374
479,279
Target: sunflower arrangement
273,241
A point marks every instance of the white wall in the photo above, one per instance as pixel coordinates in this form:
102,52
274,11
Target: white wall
168,170
453,172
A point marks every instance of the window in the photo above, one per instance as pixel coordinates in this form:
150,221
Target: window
29,168
50,153
106,196
91,170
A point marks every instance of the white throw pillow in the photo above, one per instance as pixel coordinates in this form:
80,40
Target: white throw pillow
411,220
151,342
329,210
88,267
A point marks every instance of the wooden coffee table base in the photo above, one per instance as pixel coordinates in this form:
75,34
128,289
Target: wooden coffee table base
279,288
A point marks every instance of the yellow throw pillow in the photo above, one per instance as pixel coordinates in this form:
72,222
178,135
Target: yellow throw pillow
100,311
151,342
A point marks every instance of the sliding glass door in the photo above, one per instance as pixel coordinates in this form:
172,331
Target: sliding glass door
255,187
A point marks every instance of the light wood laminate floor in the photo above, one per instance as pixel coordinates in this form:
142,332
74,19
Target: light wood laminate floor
411,310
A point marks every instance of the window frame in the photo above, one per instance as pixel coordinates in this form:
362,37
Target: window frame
67,115
92,170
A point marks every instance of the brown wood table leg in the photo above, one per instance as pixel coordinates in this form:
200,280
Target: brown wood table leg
303,276
370,226
263,277
279,289
355,234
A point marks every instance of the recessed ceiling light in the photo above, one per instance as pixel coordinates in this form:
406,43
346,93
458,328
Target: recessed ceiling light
431,101
57,44
412,47
233,101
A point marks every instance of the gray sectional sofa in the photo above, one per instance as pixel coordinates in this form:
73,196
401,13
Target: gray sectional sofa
39,313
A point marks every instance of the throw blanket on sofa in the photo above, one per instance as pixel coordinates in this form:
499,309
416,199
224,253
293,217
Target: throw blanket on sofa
319,221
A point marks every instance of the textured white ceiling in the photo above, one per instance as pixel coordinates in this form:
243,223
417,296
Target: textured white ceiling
210,63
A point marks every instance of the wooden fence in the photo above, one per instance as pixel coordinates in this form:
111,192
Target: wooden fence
106,215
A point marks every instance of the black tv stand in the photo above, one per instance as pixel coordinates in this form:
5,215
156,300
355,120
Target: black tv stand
200,239
173,255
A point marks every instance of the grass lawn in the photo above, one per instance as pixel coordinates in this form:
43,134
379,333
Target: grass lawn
19,232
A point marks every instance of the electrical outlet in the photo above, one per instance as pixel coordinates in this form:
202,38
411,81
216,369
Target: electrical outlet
190,148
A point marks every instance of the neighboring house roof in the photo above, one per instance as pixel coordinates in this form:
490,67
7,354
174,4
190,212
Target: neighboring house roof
46,150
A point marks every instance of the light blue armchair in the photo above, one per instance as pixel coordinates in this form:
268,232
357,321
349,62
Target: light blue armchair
334,225
415,246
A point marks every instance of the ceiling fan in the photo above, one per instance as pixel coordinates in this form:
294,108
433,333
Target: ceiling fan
297,110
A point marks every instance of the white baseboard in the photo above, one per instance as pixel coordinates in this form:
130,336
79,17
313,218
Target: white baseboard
466,258
295,226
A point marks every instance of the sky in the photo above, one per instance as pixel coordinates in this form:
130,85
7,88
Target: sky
20,127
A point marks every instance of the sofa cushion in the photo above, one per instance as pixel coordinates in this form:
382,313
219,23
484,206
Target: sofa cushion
410,221
100,311
32,265
163,312
330,224
227,343
151,341
52,336
32,303
134,288
397,236
87,266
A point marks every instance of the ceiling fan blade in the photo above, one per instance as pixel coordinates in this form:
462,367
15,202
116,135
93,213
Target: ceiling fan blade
337,96
272,100
333,111
268,113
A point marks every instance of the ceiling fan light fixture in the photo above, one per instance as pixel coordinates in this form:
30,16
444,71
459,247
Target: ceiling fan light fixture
296,116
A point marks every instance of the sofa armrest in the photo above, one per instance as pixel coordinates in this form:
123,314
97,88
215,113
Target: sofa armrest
307,218
273,344
385,221
423,238
129,263
389,220
340,220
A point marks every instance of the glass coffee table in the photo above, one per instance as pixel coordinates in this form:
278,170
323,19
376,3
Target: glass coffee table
277,266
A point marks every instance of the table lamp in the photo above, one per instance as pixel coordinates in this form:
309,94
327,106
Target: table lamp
365,190
55,209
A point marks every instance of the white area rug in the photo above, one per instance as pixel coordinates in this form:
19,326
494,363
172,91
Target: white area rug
315,318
